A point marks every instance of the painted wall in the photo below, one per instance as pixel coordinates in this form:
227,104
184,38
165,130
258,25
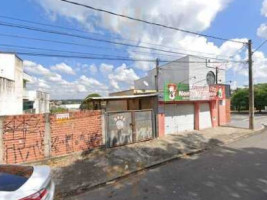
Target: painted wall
11,87
172,72
200,71
183,70
29,138
41,101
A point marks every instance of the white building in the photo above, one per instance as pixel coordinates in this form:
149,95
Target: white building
37,102
188,70
13,81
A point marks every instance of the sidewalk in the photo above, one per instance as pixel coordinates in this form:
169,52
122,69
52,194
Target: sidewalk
73,174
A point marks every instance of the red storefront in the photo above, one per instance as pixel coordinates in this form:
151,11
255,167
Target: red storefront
185,109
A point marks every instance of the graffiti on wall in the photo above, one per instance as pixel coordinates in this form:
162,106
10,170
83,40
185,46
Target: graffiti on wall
69,143
23,138
73,133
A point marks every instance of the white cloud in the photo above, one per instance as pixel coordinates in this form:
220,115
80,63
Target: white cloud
93,69
194,15
32,67
81,88
91,82
60,88
123,75
105,68
262,31
63,68
264,8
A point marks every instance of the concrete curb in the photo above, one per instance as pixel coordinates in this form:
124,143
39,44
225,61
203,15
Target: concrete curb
117,178
255,132
114,179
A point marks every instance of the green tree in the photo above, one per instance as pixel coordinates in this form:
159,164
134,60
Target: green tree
58,110
86,105
240,100
260,96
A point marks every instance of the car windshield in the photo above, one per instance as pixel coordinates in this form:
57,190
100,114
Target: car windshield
13,177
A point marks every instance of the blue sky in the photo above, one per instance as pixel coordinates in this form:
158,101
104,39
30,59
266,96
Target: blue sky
75,78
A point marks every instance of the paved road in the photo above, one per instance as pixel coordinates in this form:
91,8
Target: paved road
237,171
242,120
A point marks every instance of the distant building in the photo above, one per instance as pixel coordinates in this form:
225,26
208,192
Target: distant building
71,107
13,82
37,102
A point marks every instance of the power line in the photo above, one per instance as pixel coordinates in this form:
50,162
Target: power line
73,29
148,22
79,44
78,30
263,43
100,40
95,47
54,50
97,58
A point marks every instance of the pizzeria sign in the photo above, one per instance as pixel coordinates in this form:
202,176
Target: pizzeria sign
183,92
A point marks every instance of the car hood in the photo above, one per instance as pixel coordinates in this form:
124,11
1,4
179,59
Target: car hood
38,180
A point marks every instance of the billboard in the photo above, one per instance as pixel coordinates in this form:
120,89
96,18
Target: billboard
182,92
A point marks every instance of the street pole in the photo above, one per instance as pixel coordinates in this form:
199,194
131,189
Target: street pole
157,76
251,86
217,72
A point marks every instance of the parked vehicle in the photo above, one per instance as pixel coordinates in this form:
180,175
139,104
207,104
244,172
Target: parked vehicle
26,183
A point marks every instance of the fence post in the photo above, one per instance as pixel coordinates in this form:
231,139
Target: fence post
47,136
2,140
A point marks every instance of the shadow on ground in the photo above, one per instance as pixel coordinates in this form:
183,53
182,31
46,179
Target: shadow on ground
103,165
223,173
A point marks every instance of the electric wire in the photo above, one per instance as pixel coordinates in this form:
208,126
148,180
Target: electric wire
101,40
148,22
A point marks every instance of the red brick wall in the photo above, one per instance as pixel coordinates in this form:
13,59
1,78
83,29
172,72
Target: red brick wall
23,138
82,131
23,135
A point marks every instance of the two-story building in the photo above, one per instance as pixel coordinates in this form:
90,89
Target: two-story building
13,88
184,95
192,94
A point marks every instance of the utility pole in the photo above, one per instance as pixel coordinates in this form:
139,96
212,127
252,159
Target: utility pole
251,86
217,72
157,76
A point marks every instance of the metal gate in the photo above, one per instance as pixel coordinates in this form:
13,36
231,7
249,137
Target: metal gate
128,127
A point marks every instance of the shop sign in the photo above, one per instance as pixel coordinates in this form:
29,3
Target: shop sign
176,92
182,92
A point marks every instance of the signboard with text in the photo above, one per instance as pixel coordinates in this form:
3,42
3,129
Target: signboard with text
182,92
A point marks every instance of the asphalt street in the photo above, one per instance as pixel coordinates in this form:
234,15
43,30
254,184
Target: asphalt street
242,120
235,171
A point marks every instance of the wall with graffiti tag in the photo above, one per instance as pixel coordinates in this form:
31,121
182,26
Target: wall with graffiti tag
29,138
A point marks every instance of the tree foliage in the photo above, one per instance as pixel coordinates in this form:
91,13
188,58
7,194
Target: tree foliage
240,98
85,105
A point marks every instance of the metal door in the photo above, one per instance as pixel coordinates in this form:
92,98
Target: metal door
143,125
119,129
205,116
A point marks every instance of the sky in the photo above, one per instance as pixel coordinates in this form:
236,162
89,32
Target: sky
75,78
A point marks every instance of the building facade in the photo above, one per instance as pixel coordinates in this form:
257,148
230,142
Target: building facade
13,82
192,95
37,102
185,95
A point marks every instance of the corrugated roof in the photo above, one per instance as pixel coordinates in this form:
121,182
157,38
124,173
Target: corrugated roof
123,97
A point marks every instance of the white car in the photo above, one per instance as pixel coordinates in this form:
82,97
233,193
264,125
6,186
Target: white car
26,183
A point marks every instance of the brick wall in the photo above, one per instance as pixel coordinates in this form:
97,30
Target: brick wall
23,138
82,131
27,138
